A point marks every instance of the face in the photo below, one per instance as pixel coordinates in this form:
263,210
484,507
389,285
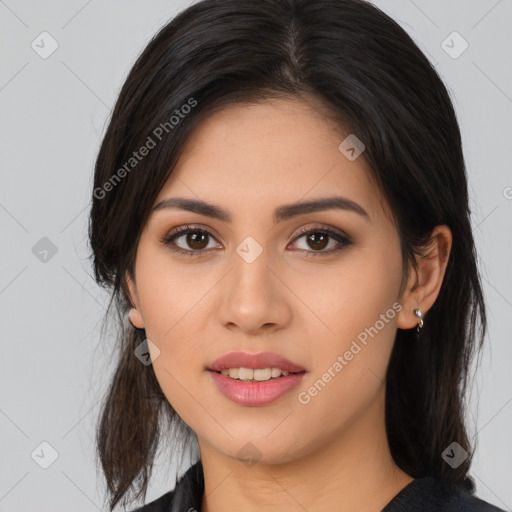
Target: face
318,287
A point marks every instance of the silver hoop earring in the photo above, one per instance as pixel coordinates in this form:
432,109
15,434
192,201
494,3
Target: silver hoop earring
419,314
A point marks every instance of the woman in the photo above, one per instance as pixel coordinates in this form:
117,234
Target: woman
281,213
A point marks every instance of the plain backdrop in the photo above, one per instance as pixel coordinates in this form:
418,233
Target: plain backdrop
53,115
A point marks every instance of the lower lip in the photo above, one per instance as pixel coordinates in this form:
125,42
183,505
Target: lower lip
255,393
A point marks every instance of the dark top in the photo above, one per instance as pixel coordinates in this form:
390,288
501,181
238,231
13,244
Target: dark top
426,494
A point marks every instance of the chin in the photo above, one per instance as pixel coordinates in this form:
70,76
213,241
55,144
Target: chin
260,449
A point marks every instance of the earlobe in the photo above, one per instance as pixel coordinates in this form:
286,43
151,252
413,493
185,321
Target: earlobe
136,318
407,318
425,280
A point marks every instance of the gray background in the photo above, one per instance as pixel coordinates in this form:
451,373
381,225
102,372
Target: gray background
53,115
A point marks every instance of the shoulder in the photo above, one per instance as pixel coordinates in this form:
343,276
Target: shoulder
470,503
427,494
162,504
186,494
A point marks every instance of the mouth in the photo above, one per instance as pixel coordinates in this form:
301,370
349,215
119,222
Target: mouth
263,365
255,379
252,392
256,374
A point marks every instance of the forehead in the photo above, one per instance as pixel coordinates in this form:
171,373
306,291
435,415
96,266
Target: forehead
273,152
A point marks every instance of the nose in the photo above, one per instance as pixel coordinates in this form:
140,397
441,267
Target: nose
253,298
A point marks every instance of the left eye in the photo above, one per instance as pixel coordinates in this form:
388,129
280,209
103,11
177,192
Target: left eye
197,239
319,240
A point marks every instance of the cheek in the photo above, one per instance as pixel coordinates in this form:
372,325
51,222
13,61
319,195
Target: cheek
179,368
173,305
369,311
349,297
349,377
362,311
171,294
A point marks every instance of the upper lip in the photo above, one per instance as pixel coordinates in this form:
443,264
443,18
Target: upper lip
259,360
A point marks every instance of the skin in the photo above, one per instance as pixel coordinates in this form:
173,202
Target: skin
331,453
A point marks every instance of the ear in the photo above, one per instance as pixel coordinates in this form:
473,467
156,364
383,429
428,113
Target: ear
424,282
135,314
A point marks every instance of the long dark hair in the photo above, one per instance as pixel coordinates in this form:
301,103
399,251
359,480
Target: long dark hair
369,76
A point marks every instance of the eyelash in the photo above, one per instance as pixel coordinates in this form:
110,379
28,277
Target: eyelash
344,240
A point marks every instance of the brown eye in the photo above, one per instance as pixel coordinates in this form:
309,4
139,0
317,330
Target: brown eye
197,240
317,239
193,241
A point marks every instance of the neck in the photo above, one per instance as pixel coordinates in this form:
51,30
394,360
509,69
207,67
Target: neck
353,471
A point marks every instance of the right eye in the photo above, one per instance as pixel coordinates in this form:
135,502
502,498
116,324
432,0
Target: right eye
194,237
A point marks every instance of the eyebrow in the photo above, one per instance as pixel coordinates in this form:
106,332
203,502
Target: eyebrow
281,213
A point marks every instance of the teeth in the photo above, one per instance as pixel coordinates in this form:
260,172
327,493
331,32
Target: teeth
246,374
234,373
258,374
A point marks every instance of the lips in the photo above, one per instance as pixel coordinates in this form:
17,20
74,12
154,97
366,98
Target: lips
255,361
